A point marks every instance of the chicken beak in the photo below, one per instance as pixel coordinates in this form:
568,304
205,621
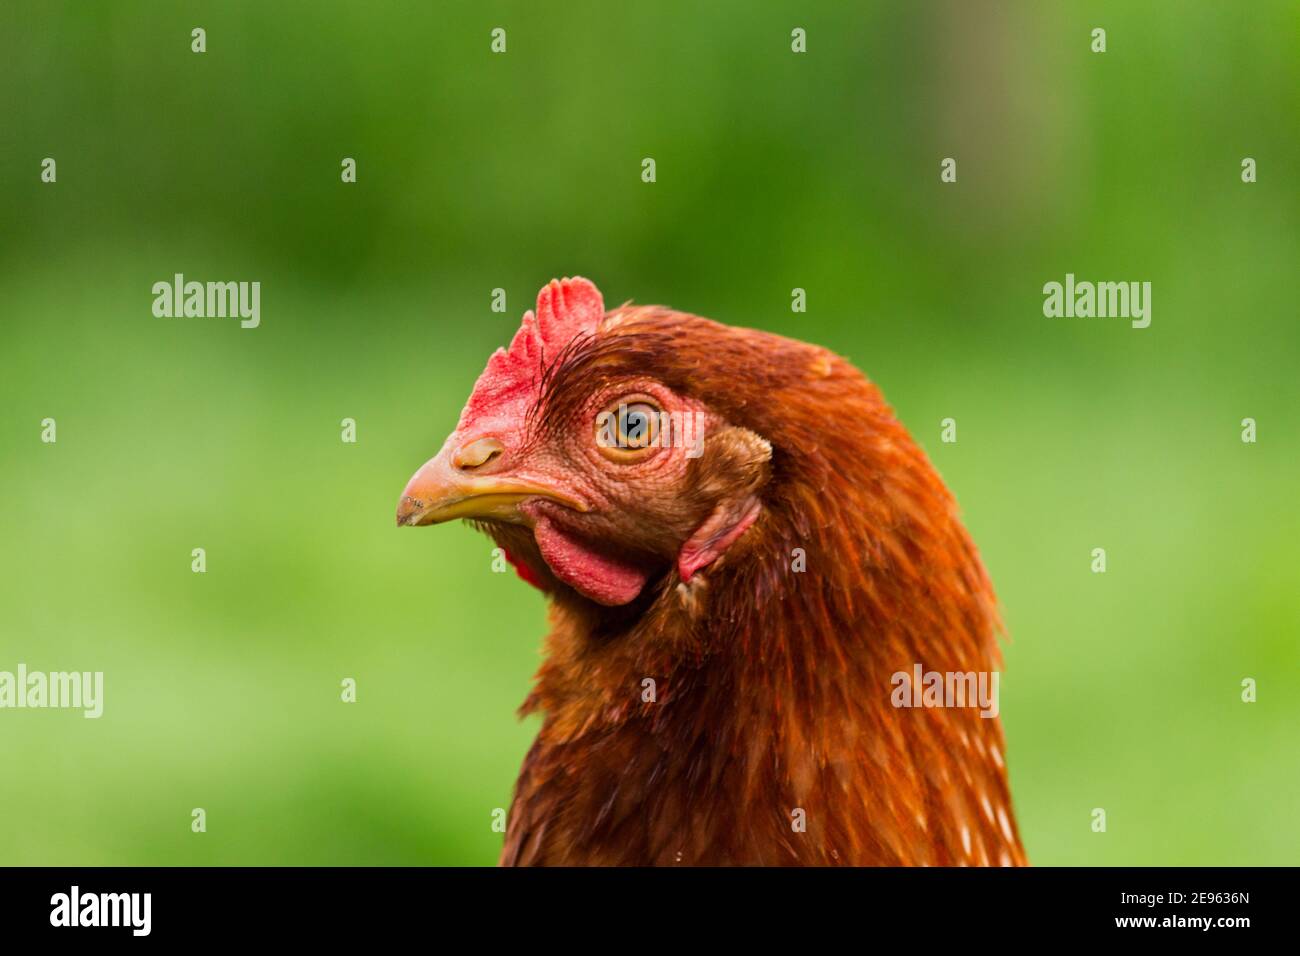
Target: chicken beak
441,492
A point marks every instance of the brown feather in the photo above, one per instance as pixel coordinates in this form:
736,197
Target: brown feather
773,686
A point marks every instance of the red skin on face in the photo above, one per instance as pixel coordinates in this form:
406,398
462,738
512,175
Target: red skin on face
503,398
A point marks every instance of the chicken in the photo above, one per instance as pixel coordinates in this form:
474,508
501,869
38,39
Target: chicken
749,565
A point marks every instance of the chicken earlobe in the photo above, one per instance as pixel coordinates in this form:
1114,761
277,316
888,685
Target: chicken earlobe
744,458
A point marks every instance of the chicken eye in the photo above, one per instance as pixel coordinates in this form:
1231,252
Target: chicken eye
637,425
628,430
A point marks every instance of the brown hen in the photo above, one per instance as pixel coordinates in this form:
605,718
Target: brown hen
750,564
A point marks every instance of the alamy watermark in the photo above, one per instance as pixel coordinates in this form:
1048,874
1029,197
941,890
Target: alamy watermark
208,300
639,425
75,908
75,690
922,688
1086,300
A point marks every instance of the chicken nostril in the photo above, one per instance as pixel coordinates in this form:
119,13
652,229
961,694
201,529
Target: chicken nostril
477,453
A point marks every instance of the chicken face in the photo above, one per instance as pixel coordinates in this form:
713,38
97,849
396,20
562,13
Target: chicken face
589,477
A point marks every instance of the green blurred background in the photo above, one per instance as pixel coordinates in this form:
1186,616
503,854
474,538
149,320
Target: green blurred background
775,171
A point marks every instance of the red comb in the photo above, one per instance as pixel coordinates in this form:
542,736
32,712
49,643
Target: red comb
566,308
